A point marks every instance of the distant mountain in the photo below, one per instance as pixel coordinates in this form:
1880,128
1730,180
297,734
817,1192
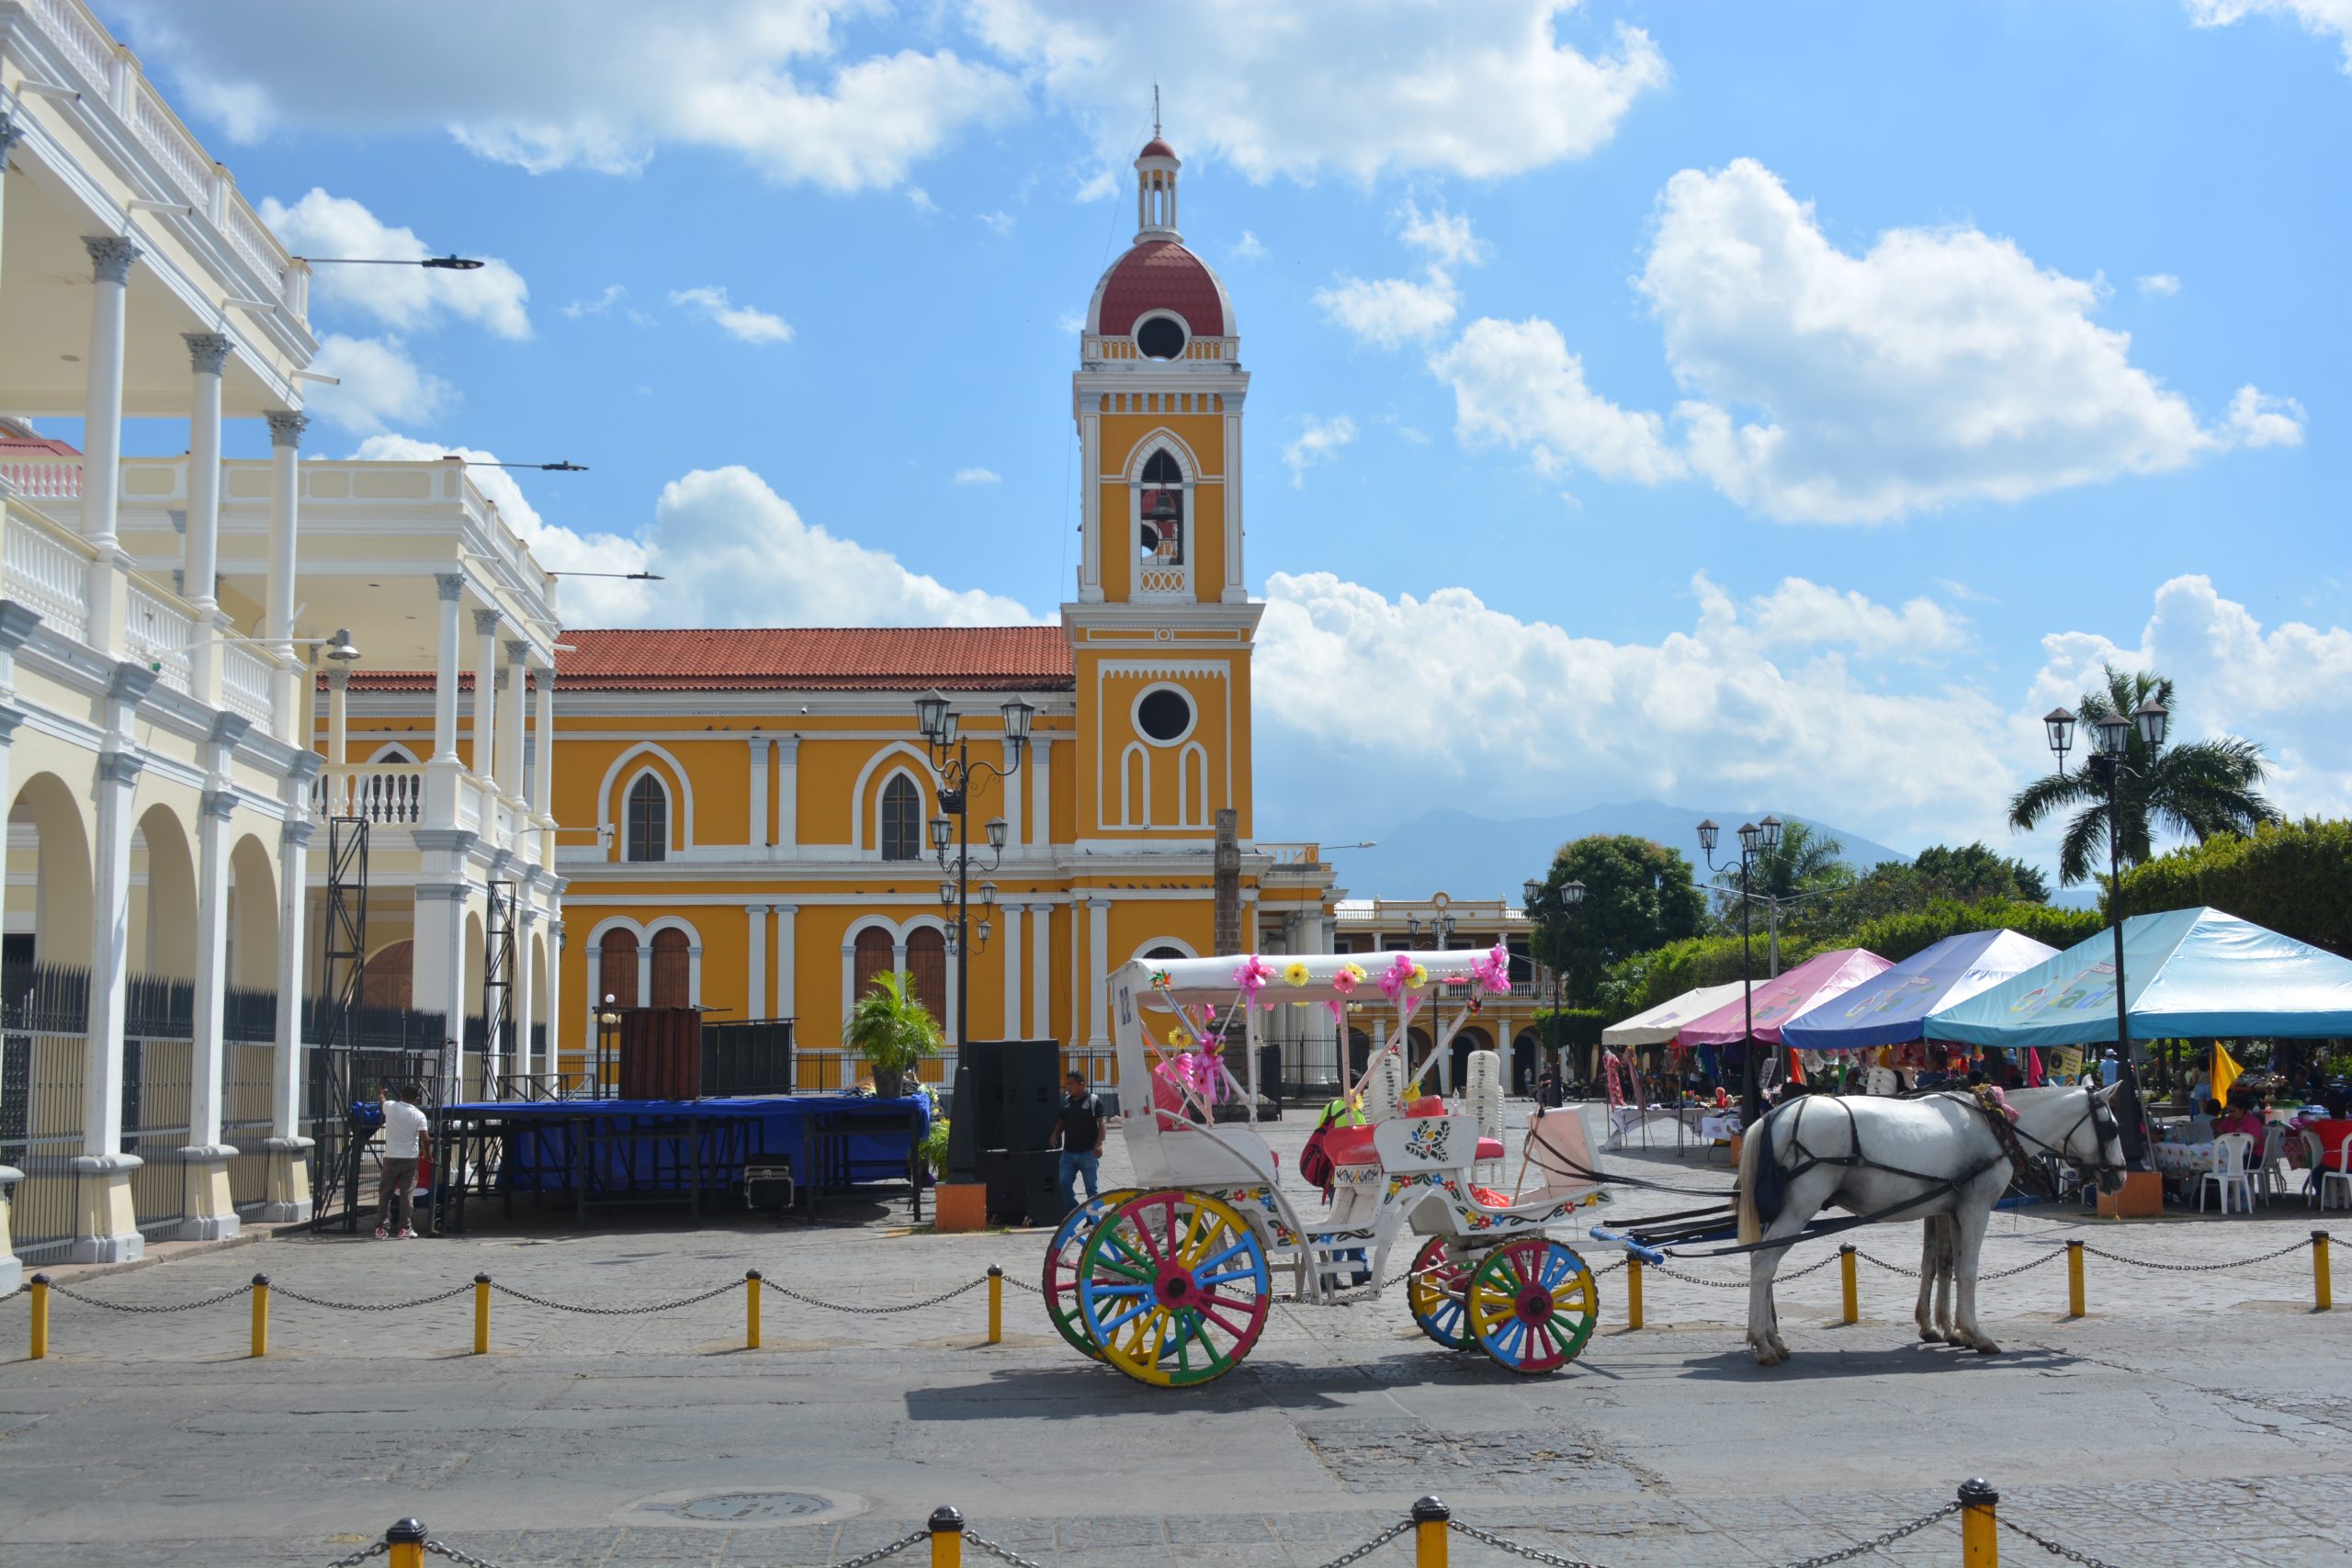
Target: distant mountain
1478,857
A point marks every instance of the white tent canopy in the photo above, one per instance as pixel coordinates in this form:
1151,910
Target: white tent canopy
1664,1021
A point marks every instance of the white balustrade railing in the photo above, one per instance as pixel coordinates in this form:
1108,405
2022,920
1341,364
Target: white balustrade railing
49,573
160,132
390,793
73,26
245,683
43,479
155,633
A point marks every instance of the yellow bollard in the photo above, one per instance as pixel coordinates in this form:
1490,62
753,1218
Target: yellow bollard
946,1537
261,1315
40,1316
406,1541
996,1304
1979,1534
1851,1286
1633,1292
752,1310
2323,1287
2074,1279
1429,1521
481,1314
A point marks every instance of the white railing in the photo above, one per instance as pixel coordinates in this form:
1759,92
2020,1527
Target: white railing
73,26
245,683
155,633
389,793
44,479
1158,579
47,573
160,132
1212,349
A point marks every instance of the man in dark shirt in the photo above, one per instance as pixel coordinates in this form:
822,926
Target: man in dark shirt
1078,1132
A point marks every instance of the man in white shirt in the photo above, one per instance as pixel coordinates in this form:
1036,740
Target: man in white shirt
406,1136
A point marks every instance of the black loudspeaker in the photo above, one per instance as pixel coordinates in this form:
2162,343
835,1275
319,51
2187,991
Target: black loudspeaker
1047,1206
1007,1177
1014,1094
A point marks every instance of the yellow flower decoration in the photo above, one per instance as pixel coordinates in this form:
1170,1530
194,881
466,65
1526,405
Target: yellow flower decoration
1179,1037
1294,974
1419,977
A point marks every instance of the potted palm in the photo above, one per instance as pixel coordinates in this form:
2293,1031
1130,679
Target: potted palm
892,1031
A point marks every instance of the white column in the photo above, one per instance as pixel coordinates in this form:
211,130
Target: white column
10,134
1041,749
111,259
1012,813
1090,568
526,919
338,748
278,605
513,711
543,746
1041,972
787,959
289,1168
485,744
105,1228
755,962
759,832
207,354
451,587
1010,1029
1235,592
788,794
207,1210
1098,947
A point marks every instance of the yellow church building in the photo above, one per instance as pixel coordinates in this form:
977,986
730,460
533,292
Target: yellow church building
746,814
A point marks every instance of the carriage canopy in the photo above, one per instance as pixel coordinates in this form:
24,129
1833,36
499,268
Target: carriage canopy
1892,1009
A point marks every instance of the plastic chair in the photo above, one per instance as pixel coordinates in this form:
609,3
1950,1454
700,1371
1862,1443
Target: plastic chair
2314,1165
2340,1177
2270,1171
2230,1151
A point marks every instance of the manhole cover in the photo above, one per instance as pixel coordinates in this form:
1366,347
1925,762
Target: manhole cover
742,1507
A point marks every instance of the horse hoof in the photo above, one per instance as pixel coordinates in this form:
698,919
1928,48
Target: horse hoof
1987,1348
1929,1334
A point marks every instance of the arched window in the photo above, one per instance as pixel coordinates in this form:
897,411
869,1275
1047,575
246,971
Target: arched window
673,968
927,971
617,968
901,819
1160,535
873,957
649,819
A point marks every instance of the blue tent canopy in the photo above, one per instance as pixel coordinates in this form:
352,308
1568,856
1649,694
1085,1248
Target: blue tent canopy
1892,1009
2187,972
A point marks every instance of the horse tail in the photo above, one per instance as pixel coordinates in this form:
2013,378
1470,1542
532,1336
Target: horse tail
1763,1184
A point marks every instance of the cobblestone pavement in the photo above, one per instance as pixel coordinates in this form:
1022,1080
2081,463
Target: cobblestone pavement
2191,1418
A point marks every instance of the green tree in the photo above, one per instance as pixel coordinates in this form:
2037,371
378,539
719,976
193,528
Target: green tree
2294,877
1973,873
2199,789
1791,887
1638,895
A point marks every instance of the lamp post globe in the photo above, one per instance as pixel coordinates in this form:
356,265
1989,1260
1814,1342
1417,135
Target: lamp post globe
2058,724
1572,894
2153,720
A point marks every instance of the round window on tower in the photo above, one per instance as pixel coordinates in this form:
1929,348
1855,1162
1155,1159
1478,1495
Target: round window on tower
1160,337
1164,715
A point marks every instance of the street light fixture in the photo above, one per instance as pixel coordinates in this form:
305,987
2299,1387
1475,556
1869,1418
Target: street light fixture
437,263
564,466
951,757
1756,839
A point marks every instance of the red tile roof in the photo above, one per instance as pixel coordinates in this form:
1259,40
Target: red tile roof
1160,275
795,659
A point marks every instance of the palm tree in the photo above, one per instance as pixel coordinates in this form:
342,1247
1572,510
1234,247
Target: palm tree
891,1029
1808,861
2201,788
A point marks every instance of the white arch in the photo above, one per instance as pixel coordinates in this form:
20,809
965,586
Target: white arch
694,958
1162,439
1128,816
1178,943
926,784
393,753
1192,808
593,960
604,796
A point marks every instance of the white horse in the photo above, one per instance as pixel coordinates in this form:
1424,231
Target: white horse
1865,1155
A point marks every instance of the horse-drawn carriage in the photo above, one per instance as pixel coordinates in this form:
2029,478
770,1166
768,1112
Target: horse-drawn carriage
1172,1280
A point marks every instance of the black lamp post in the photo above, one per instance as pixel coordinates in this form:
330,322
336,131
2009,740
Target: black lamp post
2112,738
950,754
1755,838
1571,895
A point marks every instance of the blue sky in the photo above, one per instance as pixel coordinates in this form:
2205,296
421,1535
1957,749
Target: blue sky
1719,403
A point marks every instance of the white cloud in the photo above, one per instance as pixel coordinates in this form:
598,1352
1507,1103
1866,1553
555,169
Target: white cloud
997,223
1516,383
406,298
2159,286
1520,715
1290,87
1801,614
1318,443
2319,17
921,200
740,322
1249,247
771,81
2259,421
602,304
1444,236
1070,321
380,385
978,476
1391,311
2289,686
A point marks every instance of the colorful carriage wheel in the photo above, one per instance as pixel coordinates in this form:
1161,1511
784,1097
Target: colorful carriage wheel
1059,1285
1435,1291
1173,1286
1532,1304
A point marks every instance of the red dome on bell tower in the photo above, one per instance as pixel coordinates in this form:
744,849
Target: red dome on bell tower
1158,275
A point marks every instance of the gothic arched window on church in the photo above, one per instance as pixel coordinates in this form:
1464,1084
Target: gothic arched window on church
617,968
674,968
649,820
927,969
901,819
1160,533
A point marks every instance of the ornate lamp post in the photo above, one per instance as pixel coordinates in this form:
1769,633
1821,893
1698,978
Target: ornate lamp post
2112,739
1571,895
950,755
1755,838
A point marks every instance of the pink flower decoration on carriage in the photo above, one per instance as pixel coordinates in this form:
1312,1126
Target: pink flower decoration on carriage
1350,976
1253,975
1492,970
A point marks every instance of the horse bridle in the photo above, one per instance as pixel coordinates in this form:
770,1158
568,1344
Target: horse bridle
2103,1126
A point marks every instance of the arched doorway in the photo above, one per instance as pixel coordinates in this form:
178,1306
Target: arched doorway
1526,1062
159,1015
44,1002
927,972
617,969
674,968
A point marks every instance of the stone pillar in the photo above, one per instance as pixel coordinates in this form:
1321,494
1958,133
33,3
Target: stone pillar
527,920
338,748
788,794
512,713
755,962
438,981
1098,947
1013,813
543,748
444,772
111,259
288,1196
758,837
207,1211
786,958
207,354
277,603
485,758
1041,751
1235,593
105,1229
1041,972
1010,1027
1090,471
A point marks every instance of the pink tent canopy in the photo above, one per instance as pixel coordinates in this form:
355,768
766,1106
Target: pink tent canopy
1816,980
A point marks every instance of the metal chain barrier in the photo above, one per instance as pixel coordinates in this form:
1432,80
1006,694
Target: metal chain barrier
362,1556
2052,1547
1884,1539
869,1559
906,1306
2195,1267
465,1559
133,1307
2005,1273
1741,1284
1003,1554
287,1293
1550,1559
1890,1268
645,1310
1369,1547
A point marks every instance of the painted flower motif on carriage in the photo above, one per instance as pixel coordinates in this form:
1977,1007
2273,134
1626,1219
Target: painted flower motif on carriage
1428,1139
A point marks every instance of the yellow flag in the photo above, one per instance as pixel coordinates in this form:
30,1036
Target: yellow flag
2225,1072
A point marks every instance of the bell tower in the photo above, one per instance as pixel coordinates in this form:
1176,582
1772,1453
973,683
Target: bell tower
1162,626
